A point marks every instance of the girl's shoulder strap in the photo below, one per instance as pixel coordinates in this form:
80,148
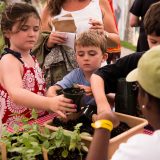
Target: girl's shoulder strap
15,54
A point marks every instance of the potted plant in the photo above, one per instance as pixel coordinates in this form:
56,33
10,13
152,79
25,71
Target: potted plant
33,142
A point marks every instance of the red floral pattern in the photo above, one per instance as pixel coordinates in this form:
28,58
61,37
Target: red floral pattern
33,81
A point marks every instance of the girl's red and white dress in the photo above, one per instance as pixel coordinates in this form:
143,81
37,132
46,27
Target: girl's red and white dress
33,81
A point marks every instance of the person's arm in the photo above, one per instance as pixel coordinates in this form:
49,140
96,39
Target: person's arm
134,21
46,18
136,13
108,21
97,86
100,143
54,37
105,79
11,80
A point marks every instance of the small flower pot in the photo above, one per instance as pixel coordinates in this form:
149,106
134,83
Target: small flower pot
76,95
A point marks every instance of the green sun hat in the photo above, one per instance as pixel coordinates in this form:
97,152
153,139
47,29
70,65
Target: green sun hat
147,73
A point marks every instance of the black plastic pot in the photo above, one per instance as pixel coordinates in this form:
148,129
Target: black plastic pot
76,95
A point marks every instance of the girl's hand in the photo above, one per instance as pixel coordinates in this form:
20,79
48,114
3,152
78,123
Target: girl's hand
96,25
60,105
56,38
52,91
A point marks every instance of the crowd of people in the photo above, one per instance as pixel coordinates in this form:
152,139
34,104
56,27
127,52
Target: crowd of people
31,38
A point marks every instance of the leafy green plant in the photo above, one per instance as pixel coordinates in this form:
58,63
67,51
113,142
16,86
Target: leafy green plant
26,142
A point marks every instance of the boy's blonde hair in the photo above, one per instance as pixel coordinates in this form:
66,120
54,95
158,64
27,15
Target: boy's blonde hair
92,38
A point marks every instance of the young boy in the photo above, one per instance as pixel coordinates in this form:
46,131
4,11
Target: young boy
105,79
90,53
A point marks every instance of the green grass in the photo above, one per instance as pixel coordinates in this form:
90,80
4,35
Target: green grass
128,45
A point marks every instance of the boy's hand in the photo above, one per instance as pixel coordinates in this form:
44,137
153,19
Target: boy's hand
52,91
87,89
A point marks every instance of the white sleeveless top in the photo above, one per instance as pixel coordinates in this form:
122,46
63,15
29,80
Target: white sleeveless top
81,17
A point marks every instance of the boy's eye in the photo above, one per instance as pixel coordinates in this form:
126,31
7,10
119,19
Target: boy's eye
92,53
81,54
153,41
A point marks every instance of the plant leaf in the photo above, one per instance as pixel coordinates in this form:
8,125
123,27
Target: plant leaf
64,153
34,114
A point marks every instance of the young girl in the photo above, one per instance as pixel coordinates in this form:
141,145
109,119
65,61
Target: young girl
22,86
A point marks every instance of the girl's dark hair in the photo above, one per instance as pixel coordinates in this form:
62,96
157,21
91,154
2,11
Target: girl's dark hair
152,20
55,6
16,12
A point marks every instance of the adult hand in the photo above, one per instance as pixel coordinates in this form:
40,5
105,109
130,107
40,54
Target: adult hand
95,24
60,105
56,38
107,115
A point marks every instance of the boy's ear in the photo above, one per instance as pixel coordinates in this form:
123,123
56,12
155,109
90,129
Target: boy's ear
105,57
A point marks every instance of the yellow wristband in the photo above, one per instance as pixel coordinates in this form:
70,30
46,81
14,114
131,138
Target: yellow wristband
106,124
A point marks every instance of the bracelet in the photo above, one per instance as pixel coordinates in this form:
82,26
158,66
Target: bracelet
106,124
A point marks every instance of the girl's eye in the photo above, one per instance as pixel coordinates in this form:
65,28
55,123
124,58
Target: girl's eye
24,28
36,28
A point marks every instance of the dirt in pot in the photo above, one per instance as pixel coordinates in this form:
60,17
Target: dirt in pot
13,154
69,125
120,129
86,127
72,155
